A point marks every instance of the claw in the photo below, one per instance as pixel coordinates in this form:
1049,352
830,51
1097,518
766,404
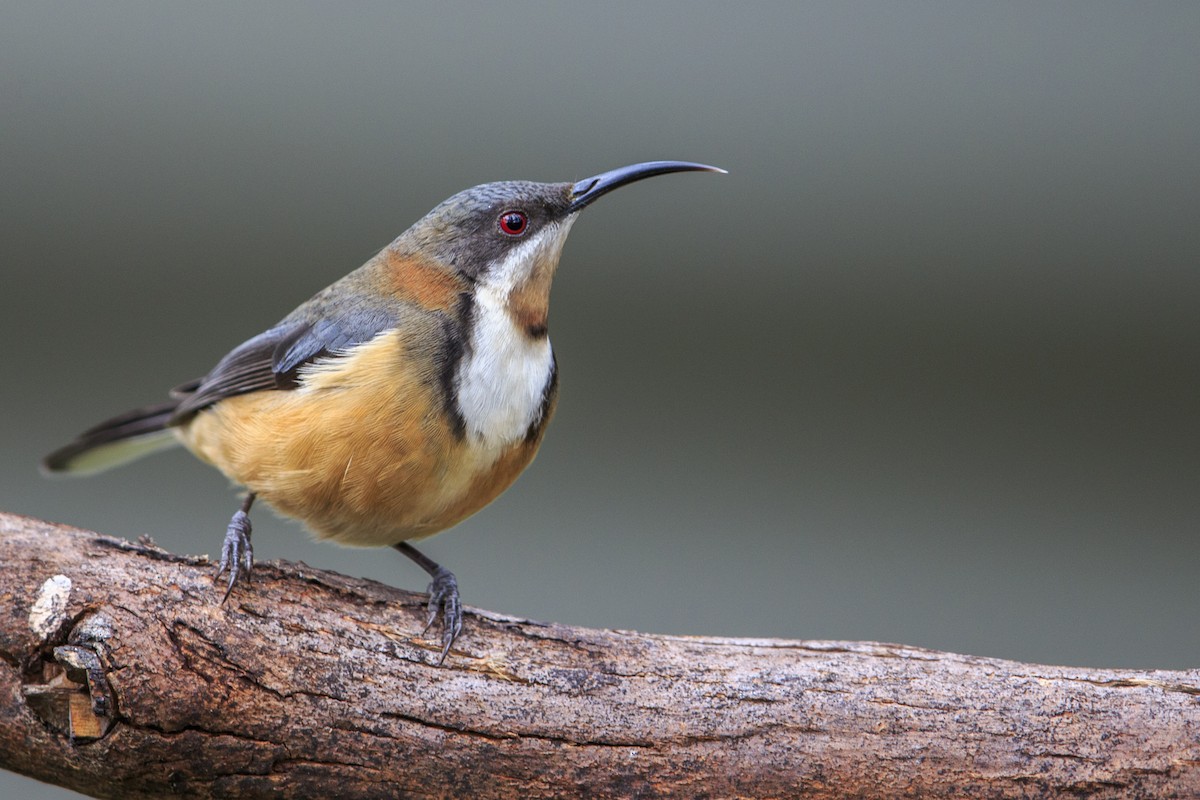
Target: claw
443,598
237,554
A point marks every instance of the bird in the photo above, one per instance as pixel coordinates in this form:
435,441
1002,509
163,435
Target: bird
396,402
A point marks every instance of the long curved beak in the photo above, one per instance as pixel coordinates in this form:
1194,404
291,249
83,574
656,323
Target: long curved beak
589,189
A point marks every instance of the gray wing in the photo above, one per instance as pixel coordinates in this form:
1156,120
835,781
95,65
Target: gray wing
273,359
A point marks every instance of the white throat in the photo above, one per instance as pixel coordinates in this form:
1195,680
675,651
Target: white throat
503,376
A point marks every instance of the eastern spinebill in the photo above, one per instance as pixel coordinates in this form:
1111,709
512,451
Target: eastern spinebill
399,400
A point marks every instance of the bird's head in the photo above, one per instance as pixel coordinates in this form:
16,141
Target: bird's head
508,236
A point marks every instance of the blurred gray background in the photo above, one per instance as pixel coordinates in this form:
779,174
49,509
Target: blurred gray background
922,368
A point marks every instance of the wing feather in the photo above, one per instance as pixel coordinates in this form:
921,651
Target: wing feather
274,358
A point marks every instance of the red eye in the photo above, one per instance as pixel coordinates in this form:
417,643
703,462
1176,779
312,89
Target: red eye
513,223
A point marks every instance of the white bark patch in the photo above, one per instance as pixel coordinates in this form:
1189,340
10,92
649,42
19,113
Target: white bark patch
50,609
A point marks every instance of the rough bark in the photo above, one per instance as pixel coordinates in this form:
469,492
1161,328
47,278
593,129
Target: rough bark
121,675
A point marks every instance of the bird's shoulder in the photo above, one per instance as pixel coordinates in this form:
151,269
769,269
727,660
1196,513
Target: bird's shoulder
390,292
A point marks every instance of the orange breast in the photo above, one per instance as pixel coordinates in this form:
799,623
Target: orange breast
363,451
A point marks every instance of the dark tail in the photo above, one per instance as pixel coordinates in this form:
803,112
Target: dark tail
115,441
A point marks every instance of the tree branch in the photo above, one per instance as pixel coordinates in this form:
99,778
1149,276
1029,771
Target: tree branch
121,675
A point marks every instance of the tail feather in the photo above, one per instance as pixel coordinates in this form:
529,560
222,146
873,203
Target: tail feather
115,441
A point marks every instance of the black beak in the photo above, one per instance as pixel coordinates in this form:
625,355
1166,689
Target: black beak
588,189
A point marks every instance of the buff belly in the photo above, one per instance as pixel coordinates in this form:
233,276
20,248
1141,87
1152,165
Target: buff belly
363,451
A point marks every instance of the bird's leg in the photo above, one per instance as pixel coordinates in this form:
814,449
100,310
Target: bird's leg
443,597
237,554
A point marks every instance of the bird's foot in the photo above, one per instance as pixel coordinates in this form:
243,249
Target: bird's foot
444,602
237,554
